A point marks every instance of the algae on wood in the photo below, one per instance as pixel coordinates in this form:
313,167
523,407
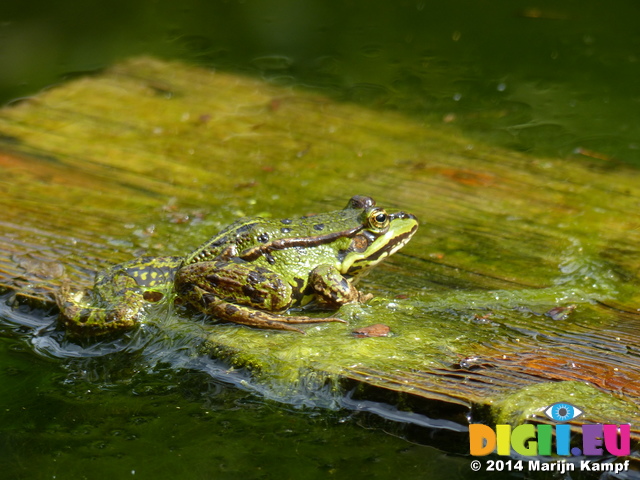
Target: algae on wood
154,157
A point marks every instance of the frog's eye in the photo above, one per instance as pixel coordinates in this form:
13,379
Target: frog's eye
378,218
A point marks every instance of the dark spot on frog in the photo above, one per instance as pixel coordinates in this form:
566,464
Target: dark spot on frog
255,277
285,229
244,228
297,288
212,279
269,258
255,296
219,241
152,296
228,252
355,269
230,309
263,237
208,299
286,221
318,226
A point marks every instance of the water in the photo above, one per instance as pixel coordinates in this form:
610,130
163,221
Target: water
547,78
553,79
67,413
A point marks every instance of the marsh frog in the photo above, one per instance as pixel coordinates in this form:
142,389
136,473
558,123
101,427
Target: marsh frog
251,272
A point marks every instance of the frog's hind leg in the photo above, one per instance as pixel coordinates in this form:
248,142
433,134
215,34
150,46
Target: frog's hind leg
256,318
80,317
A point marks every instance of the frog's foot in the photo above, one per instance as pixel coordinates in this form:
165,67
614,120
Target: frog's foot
259,319
364,297
332,289
81,319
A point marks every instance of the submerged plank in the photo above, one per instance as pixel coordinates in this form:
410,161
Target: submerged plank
524,272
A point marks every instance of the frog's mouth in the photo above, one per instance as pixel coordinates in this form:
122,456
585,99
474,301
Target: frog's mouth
369,248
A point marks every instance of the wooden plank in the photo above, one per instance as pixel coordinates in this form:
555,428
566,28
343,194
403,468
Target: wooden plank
154,157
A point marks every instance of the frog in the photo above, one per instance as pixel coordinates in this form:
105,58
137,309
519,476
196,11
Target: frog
251,273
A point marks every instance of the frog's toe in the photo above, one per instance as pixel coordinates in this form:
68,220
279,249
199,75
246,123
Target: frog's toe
293,319
276,325
282,322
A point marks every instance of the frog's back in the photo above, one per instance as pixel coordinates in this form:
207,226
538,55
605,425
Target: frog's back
248,233
223,245
148,272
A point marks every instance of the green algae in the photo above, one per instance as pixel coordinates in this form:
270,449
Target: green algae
530,402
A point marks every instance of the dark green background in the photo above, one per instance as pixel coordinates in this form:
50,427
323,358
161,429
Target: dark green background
546,77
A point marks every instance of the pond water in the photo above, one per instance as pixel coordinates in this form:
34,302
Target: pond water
538,76
547,78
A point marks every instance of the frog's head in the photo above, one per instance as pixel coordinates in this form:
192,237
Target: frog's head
381,235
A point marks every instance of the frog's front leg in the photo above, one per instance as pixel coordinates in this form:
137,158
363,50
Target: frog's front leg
99,316
240,293
332,289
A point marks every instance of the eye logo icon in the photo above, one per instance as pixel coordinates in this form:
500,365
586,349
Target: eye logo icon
538,440
562,412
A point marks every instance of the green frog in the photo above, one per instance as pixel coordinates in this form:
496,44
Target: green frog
251,272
